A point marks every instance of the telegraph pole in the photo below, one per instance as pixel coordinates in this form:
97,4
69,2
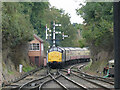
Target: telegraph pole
117,44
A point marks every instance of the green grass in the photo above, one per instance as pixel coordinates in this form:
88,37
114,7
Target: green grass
27,68
96,66
10,72
88,66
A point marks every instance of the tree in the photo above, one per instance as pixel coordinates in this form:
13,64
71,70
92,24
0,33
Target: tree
16,27
98,24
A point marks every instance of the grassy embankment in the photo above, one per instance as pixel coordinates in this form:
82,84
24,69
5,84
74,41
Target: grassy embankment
95,68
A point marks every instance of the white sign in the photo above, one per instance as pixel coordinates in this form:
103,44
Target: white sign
65,35
56,32
59,32
20,68
50,35
57,24
48,46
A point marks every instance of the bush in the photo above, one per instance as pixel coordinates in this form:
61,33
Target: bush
27,69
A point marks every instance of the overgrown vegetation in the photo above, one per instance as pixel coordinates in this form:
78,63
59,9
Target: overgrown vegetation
20,20
88,66
97,32
16,27
97,29
10,72
82,43
27,68
96,68
98,24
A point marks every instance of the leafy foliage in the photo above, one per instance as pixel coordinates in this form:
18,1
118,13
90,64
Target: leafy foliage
60,17
16,27
27,68
20,20
98,25
82,43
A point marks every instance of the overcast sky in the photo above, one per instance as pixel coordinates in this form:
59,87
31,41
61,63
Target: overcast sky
69,6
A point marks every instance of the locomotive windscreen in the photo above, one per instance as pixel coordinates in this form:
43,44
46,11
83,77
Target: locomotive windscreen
55,49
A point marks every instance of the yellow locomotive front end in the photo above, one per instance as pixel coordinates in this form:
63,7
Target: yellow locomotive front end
54,57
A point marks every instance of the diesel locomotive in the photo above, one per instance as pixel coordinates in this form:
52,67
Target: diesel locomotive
58,57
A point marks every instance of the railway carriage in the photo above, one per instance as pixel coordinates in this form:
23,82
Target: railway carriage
63,56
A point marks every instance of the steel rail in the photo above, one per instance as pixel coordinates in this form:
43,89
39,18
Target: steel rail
79,69
91,76
83,87
32,81
94,77
22,77
91,81
88,80
53,79
27,74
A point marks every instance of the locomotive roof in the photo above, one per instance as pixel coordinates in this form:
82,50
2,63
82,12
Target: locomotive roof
73,48
70,48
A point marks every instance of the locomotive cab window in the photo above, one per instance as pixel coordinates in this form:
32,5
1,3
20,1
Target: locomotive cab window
55,49
50,50
59,50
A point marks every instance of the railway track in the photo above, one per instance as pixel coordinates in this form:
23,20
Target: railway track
34,74
53,83
52,80
34,84
55,78
17,79
107,80
92,82
63,81
75,84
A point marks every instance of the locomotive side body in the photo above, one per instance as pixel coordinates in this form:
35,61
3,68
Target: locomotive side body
67,54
